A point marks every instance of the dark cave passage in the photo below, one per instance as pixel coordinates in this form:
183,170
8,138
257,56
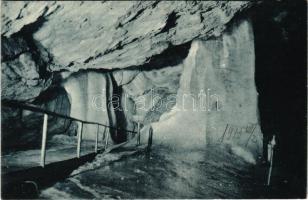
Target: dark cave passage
280,77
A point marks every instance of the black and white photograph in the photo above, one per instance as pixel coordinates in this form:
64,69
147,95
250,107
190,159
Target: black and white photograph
154,99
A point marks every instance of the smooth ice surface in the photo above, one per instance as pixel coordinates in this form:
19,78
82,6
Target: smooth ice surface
87,94
217,94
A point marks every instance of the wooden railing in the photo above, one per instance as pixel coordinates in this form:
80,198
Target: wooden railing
33,108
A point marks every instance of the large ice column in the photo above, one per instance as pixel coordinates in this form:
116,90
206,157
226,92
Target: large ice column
217,99
229,75
185,124
87,93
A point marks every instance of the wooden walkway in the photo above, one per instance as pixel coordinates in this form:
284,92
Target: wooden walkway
38,168
23,160
14,181
15,177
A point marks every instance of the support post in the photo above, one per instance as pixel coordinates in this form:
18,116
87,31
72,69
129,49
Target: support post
79,139
104,136
106,140
138,133
96,139
150,138
44,137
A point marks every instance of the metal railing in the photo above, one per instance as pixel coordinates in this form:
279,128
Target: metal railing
33,108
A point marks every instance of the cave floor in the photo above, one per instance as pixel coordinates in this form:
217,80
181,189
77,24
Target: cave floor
212,172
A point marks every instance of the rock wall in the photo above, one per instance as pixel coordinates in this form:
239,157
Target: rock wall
22,74
22,129
48,37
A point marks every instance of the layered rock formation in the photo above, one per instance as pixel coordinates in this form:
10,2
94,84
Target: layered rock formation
53,36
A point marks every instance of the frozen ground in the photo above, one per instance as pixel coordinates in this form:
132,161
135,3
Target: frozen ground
211,172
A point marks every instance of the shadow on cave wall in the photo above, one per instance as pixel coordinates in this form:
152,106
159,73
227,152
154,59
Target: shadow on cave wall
115,111
22,129
280,45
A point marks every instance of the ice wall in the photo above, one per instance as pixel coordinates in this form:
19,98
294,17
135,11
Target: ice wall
87,94
217,99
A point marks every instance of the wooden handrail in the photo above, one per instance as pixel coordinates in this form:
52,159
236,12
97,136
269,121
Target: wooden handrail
16,104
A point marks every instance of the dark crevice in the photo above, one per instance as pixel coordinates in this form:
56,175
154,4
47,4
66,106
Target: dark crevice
201,17
91,58
35,48
155,4
170,23
115,111
98,55
119,46
21,10
120,25
88,60
135,16
134,40
49,95
121,135
209,9
172,56
70,64
12,48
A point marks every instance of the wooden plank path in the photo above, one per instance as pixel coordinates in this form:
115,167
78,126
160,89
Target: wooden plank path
13,181
31,158
52,172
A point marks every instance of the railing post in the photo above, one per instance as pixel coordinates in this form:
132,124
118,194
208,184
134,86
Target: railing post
44,137
79,139
106,138
138,133
96,139
150,138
